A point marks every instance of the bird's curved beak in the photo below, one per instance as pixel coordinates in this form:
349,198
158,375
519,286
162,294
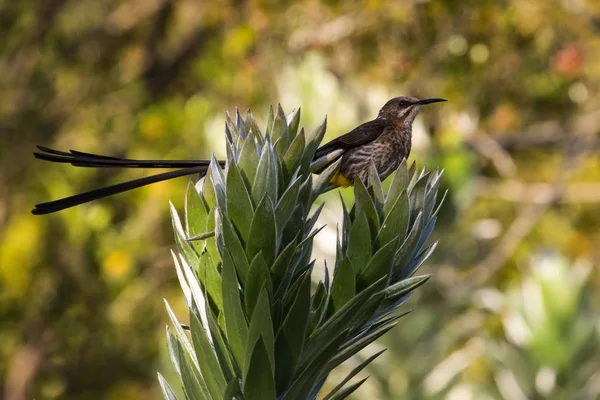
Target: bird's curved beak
429,101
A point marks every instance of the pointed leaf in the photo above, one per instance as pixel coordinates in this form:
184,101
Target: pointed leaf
182,337
253,128
396,220
344,284
263,233
398,185
364,202
293,121
259,383
294,325
353,373
402,288
270,119
232,244
211,242
196,215
239,204
408,248
261,326
235,321
312,144
349,390
359,241
165,388
281,133
209,365
258,278
286,204
233,391
248,161
379,266
282,263
418,261
293,155
376,188
193,383
265,182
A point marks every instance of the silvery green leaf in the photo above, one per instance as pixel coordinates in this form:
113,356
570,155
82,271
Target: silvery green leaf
344,283
240,124
296,321
439,206
233,245
280,133
258,278
359,241
293,155
413,177
365,203
398,185
340,322
259,383
293,121
239,204
218,181
396,220
310,375
405,286
187,293
283,263
182,337
376,189
165,388
173,350
194,385
349,390
235,320
418,261
286,204
253,128
211,242
270,119
356,344
407,250
263,232
209,365
353,373
265,182
234,390
261,327
248,161
196,215
314,141
197,295
417,197
379,266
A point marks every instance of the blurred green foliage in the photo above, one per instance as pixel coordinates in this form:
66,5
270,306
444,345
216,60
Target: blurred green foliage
80,291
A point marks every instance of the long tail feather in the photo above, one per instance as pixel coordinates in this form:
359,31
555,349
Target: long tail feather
71,201
88,160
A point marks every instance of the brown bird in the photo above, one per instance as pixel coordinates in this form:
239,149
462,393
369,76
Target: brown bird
386,141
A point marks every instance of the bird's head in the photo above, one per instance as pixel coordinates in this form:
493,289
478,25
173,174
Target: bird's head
404,109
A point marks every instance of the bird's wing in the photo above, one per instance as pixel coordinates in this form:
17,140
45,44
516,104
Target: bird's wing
360,135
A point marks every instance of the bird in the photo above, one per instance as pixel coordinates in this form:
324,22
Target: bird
385,141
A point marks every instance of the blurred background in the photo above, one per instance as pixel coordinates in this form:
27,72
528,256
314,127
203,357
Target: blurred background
513,307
